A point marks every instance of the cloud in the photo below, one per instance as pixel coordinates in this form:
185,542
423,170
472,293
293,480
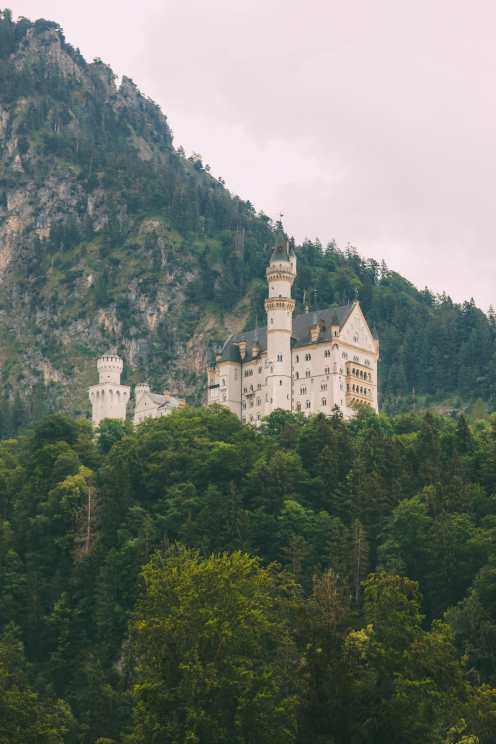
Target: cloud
366,122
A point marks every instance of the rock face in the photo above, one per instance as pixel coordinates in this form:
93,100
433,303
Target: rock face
110,238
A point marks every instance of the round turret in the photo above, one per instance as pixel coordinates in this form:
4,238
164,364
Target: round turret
109,369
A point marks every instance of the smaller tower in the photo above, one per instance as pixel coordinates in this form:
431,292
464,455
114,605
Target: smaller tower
140,389
109,398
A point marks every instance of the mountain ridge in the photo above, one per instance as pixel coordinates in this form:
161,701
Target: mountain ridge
110,237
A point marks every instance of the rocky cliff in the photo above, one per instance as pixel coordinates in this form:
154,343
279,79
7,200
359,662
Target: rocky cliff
109,237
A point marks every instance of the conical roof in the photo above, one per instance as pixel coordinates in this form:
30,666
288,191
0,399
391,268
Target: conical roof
280,251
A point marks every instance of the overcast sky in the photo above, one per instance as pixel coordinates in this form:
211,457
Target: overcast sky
372,122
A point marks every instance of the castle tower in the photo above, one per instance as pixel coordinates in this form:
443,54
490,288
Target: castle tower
281,273
109,398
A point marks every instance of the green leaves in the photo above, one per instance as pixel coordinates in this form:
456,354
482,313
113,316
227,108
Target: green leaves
213,652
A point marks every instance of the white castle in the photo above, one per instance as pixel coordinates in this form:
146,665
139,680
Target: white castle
309,363
110,399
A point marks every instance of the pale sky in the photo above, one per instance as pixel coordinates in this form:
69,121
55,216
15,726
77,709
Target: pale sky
368,121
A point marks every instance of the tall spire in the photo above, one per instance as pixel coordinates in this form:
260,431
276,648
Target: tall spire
280,251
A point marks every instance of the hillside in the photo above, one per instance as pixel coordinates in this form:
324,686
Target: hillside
111,238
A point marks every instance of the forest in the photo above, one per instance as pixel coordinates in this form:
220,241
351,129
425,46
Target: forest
197,580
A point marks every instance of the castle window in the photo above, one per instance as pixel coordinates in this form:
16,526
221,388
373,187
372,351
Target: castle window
279,357
344,355
308,357
323,386
327,353
245,390
336,333
259,402
280,382
327,370
297,358
297,375
307,373
303,390
259,386
356,359
307,404
244,404
324,401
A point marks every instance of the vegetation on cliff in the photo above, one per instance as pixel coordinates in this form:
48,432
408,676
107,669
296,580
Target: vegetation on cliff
110,237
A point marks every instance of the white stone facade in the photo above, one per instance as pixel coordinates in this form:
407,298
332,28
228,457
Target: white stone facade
153,405
109,399
309,363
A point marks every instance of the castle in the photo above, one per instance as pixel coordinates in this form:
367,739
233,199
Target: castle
309,363
110,399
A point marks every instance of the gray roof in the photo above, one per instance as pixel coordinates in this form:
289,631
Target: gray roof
157,398
336,315
163,401
281,250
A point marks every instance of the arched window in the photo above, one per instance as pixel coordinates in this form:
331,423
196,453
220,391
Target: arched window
324,401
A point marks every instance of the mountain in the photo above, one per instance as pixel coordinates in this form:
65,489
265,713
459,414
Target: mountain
111,238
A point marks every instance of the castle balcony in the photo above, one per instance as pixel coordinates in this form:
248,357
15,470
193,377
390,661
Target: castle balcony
359,372
359,396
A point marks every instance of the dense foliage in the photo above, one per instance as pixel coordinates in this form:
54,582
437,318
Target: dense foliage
195,580
125,242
